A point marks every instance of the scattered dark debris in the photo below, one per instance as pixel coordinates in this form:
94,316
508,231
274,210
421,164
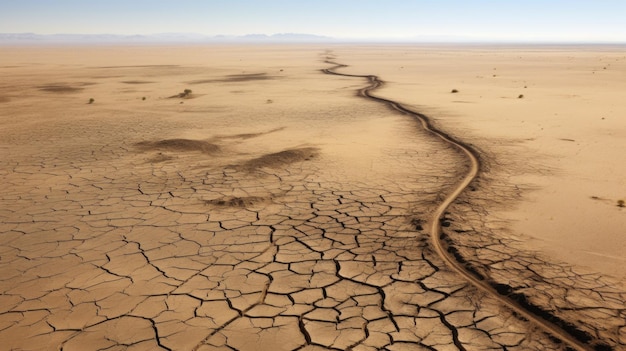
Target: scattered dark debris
232,201
417,223
136,82
179,145
60,88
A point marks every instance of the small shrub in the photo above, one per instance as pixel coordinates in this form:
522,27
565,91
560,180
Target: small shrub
621,203
521,96
143,98
185,93
454,91
91,101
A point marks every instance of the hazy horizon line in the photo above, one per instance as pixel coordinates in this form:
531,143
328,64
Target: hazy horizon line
191,37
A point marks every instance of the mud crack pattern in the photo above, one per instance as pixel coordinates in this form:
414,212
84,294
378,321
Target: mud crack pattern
174,245
316,264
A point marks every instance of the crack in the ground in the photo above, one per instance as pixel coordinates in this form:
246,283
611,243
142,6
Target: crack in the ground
187,255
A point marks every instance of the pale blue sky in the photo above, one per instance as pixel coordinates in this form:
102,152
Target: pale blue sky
535,20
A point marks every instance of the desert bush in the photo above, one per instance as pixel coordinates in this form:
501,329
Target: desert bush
185,93
621,203
521,96
454,91
91,101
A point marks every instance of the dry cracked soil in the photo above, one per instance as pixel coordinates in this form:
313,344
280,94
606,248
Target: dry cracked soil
275,210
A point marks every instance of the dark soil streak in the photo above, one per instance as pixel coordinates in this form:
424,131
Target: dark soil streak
555,329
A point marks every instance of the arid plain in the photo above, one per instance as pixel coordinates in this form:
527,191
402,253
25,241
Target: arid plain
242,198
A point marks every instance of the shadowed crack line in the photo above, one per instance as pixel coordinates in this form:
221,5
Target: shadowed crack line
438,216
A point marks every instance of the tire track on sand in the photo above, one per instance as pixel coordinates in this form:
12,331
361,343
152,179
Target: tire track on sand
435,228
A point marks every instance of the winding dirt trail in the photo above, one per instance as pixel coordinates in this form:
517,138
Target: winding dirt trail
435,225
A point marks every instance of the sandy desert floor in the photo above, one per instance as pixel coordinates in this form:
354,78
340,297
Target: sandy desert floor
273,208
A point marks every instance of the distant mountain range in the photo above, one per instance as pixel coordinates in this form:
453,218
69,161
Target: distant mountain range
32,38
190,38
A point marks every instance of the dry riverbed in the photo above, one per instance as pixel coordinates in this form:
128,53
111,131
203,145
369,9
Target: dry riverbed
266,208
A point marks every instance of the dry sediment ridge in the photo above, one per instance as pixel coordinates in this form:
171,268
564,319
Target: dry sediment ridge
546,322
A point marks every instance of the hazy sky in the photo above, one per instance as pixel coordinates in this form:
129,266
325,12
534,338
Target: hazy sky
543,20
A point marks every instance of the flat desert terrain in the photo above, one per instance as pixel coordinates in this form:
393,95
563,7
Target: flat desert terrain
313,197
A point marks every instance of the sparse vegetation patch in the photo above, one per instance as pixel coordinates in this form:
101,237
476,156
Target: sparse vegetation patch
186,94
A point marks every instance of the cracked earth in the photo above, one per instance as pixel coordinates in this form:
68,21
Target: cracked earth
259,219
